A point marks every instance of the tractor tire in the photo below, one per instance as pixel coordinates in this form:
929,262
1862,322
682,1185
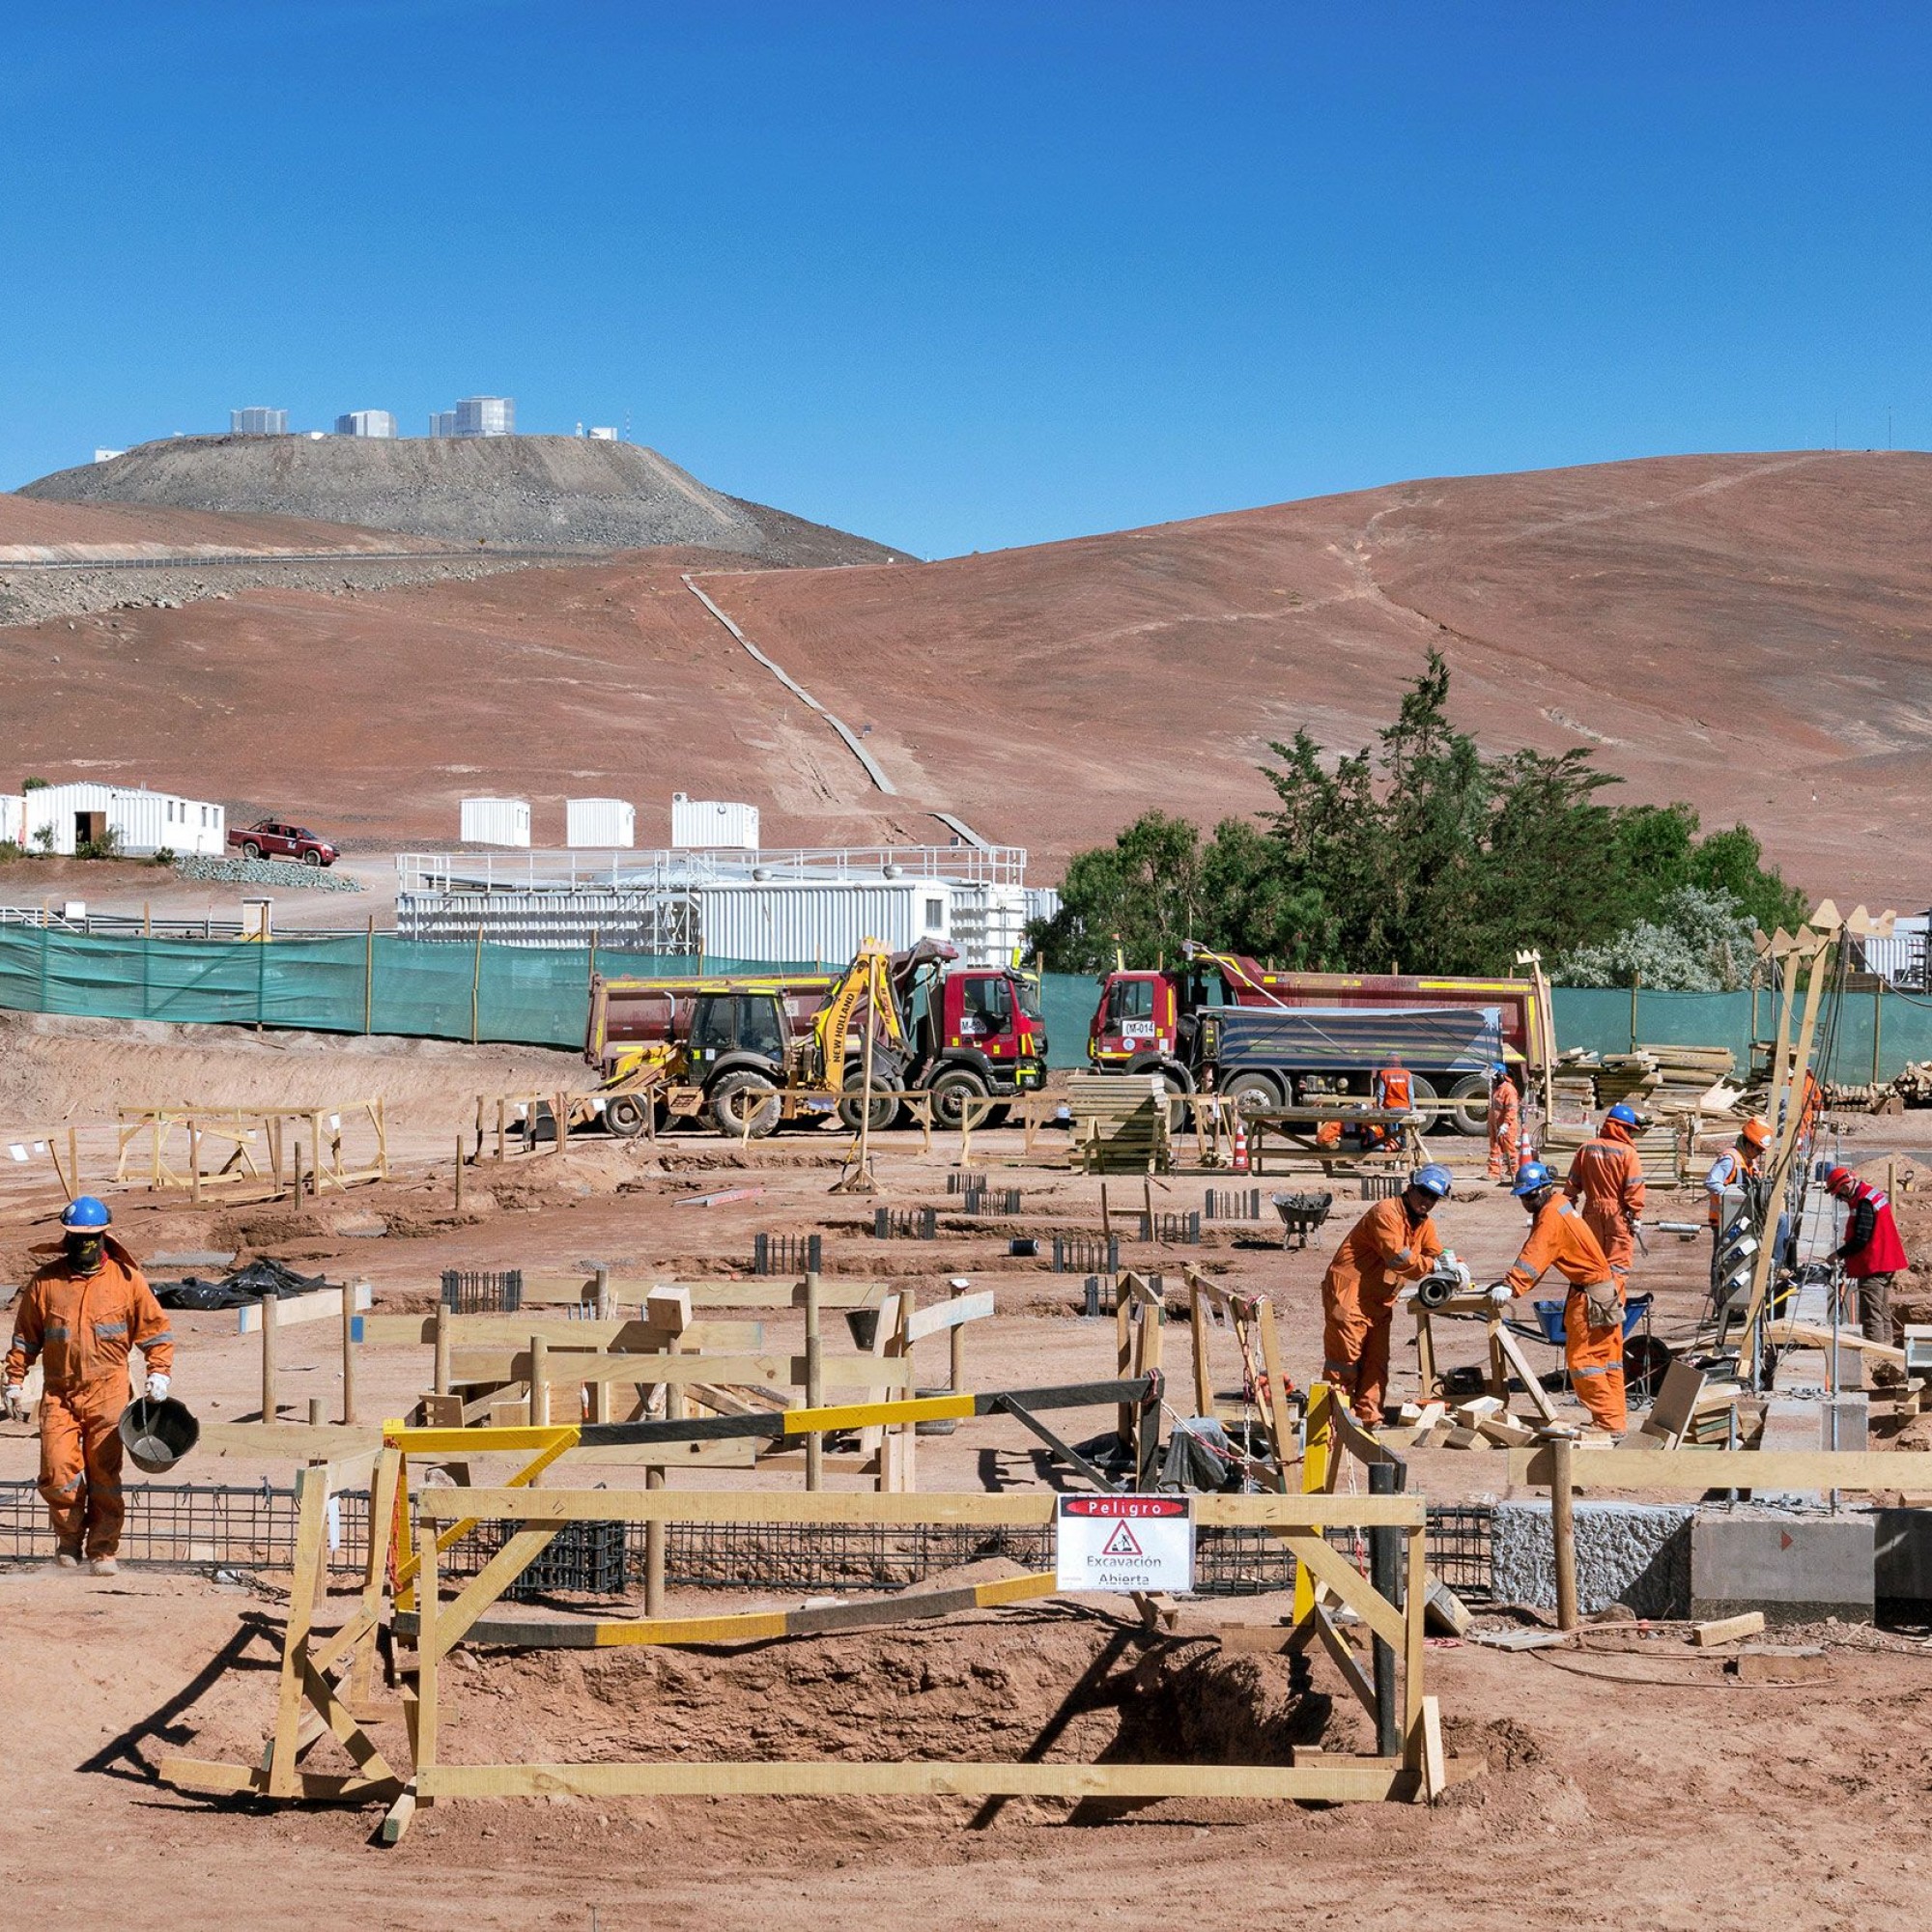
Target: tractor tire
884,1112
625,1115
742,1098
951,1092
1469,1113
1253,1092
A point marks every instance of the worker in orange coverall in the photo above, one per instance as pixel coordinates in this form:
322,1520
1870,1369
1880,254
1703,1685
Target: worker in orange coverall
1394,1242
78,1317
1593,1309
1505,1124
1606,1182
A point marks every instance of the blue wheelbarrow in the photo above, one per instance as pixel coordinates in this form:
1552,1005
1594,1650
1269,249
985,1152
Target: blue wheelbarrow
1645,1358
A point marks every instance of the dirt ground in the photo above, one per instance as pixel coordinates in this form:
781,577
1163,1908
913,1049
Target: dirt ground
1683,1799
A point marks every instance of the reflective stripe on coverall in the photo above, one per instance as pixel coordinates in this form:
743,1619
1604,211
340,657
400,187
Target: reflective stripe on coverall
1379,1253
1505,1119
80,1329
1606,1182
1560,1239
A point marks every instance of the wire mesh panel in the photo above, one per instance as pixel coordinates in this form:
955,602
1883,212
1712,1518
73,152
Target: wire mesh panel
1171,1230
584,1557
1086,1254
905,1224
483,1294
1231,1203
786,1253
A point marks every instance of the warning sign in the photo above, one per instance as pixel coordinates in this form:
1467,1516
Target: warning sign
1124,1543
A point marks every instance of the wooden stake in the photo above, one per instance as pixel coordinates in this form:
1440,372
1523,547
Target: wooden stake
271,1309
193,1161
955,1366
1563,1530
440,1381
814,1381
539,1382
654,1551
350,1298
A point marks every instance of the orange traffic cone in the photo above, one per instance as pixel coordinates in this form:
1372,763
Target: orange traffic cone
1240,1146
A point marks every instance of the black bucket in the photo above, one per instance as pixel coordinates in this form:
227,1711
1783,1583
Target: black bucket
157,1435
864,1323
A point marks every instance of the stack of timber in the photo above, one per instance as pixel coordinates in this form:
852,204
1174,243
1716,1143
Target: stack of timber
1572,1092
1693,1080
1120,1122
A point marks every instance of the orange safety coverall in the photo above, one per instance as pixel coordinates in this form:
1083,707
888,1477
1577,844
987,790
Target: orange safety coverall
1392,1089
80,1328
1505,1119
1606,1182
1559,1238
1380,1252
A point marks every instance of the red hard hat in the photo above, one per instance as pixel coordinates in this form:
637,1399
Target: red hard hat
1838,1180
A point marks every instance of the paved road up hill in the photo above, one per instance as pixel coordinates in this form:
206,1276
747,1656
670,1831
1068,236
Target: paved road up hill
550,491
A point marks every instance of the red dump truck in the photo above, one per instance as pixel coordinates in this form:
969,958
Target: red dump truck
1152,1022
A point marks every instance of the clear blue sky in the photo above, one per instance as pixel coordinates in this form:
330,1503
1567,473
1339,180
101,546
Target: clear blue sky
965,275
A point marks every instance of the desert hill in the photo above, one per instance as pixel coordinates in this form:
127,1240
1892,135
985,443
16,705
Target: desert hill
1750,633
541,492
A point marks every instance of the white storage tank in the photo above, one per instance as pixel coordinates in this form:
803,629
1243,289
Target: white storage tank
700,823
497,821
803,921
61,818
605,824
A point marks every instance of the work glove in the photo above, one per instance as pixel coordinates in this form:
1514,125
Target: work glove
1501,1293
15,1399
157,1387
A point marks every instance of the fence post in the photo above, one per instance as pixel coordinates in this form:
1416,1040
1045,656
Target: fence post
369,978
349,1298
1563,1531
270,1320
814,1381
1878,1024
1383,1555
1636,983
654,1549
440,1374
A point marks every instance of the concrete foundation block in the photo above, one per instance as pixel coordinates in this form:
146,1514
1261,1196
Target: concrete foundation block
1844,1421
1902,1559
1796,1569
1633,1553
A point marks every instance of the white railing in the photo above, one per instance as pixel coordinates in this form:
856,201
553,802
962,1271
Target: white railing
549,871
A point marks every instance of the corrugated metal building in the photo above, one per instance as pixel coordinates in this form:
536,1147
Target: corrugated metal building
710,824
495,821
599,824
61,819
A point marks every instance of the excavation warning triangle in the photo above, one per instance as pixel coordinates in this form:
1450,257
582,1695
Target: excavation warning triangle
1122,1544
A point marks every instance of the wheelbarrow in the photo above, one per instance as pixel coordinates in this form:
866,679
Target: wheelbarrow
1302,1215
1645,1358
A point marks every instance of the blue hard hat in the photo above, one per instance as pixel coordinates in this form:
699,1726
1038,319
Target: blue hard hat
85,1215
1433,1180
1625,1117
1531,1178
1499,1071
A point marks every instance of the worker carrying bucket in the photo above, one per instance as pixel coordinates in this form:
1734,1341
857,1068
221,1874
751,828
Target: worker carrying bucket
78,1317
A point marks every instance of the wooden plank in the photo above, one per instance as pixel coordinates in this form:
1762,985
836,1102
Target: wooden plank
726,1454
774,1372
1910,1470
325,1442
453,1619
1435,1761
1818,1337
515,1331
944,1315
1343,1658
1333,1569
321,1694
211,1779
1727,1629
1331,1782
311,1520
1532,1386
322,1304
1014,1510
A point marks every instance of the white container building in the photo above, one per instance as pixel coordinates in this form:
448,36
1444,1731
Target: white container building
12,819
495,821
61,819
806,921
706,824
599,824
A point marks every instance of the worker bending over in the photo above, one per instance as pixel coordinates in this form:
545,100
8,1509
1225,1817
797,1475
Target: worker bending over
1740,1163
78,1317
1871,1253
1607,1183
1505,1124
1593,1309
1394,1242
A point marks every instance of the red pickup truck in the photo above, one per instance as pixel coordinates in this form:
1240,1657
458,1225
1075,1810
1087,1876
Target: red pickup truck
273,838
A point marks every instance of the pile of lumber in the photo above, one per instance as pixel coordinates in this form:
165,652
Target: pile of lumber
1693,1080
1119,1124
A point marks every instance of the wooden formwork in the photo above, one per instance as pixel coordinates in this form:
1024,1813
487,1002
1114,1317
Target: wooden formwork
171,1149
324,1678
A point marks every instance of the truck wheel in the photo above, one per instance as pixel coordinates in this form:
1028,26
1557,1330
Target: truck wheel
1423,1093
311,857
997,1117
952,1091
1469,1106
884,1112
1253,1092
250,849
745,1098
624,1114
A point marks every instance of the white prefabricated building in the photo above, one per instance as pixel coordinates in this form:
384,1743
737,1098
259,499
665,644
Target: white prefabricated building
495,821
60,818
825,921
700,824
599,824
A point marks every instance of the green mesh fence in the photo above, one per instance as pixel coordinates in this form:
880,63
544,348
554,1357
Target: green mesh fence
350,984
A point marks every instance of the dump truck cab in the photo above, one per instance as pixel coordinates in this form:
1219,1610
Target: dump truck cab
984,1034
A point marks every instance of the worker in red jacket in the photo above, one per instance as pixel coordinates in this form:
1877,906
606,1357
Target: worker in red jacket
78,1317
1871,1253
1607,1183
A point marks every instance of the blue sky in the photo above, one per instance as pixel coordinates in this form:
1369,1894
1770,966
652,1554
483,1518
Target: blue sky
966,275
